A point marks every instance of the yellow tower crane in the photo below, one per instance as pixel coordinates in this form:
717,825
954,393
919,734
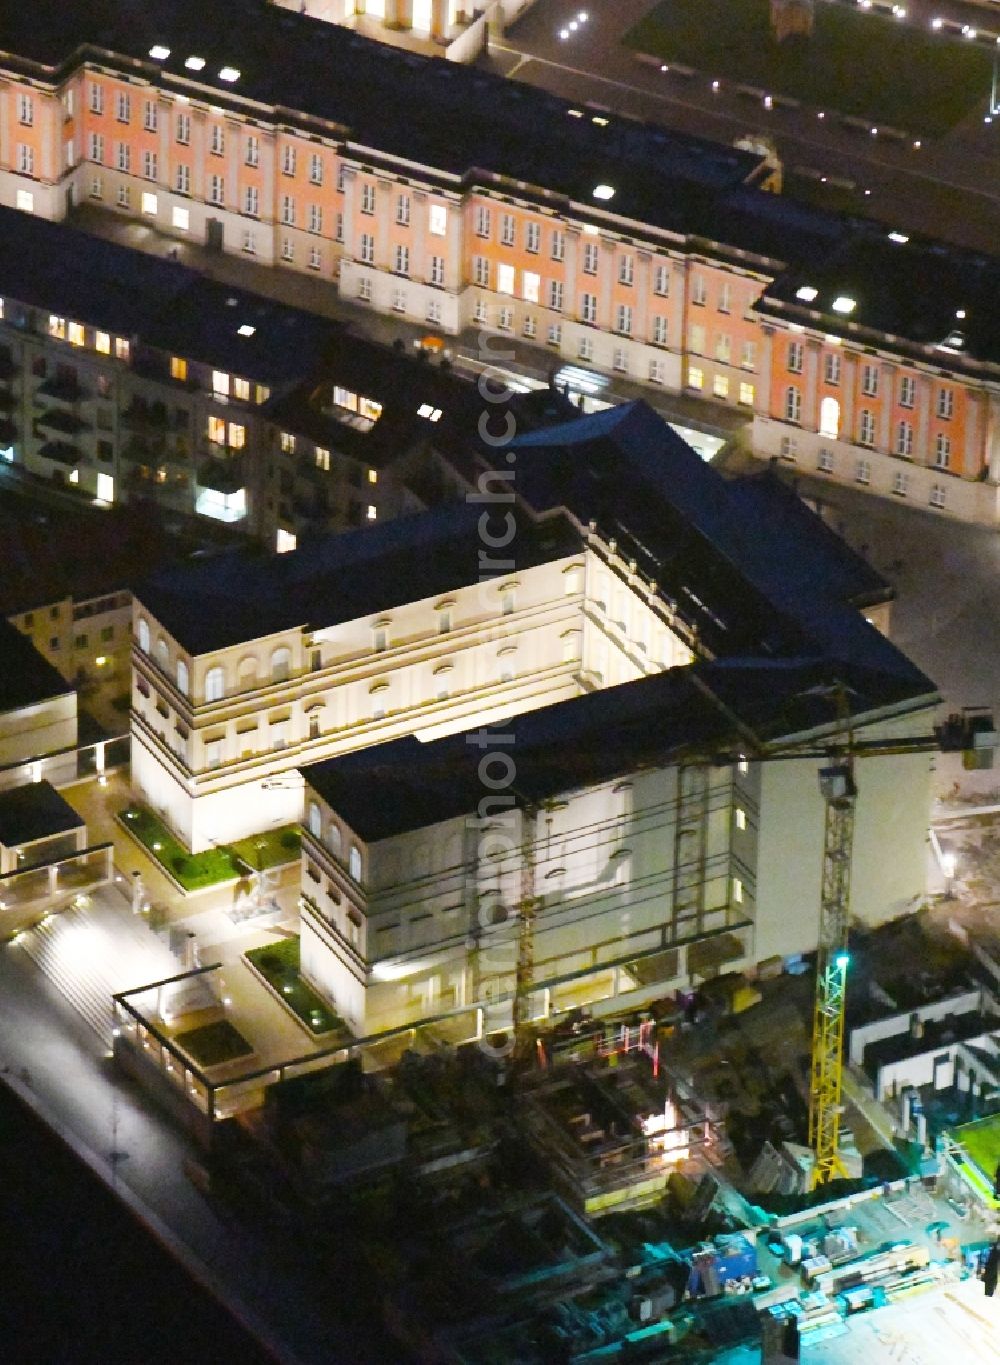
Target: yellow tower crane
970,733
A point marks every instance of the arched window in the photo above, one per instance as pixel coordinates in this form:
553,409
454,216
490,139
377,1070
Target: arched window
183,680
315,819
144,636
248,672
334,841
215,684
354,863
281,664
162,653
829,418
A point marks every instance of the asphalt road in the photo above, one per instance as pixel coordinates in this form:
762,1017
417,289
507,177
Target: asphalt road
949,188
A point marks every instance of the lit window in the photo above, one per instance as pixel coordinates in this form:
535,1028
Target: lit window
372,512
373,476
720,386
746,394
217,430
25,201
741,818
57,327
149,204
181,219
122,348
438,220
323,458
220,382
737,891
178,368
696,377
241,390
102,343
75,334
237,435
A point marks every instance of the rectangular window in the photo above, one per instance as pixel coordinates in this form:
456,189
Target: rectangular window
399,300
904,438
699,291
96,98
725,297
746,394
585,349
505,320
217,190
532,238
149,165
249,242
588,308
590,258
182,180
696,338
661,281
251,201
402,260
367,248
102,344
123,107
554,335
795,353
623,319
315,218
657,372
863,472
252,157
945,403
150,116
75,334
184,129
531,286
748,355
723,348
508,228
793,404
338,228
241,389
481,271
482,221
907,391
178,368
124,156
438,220
869,380
403,210
288,210
659,330
315,168
831,367
942,451
937,497
626,269
217,143
288,159
368,199
437,270
720,386
505,278
96,148
696,377
25,159
556,295
558,244
619,360
25,110
866,428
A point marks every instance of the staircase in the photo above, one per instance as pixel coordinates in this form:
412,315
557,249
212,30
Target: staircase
91,953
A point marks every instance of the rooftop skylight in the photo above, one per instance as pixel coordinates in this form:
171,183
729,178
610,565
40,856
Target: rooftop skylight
844,304
159,53
229,73
604,192
806,293
194,63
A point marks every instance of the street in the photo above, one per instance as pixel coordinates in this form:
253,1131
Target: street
949,188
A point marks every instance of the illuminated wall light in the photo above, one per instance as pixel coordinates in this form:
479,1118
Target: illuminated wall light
900,237
603,192
229,73
195,63
843,304
159,53
246,330
806,293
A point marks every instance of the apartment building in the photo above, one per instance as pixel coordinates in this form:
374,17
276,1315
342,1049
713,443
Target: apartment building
623,246
651,818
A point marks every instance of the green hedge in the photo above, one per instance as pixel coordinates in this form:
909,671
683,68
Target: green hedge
278,964
196,870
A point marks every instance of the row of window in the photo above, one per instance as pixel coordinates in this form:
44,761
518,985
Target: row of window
830,426
723,347
334,840
870,380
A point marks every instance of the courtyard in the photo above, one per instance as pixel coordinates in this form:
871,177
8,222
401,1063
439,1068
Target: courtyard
855,63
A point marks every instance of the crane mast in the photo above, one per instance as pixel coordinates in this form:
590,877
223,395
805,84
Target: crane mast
840,794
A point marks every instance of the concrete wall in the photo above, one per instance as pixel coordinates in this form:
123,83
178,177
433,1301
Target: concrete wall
33,731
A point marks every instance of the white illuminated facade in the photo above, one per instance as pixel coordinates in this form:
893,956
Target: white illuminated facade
213,732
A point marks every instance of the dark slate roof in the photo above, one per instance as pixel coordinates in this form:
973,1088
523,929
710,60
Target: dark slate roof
25,677
911,290
32,812
752,577
157,302
401,381
705,708
241,594
458,119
